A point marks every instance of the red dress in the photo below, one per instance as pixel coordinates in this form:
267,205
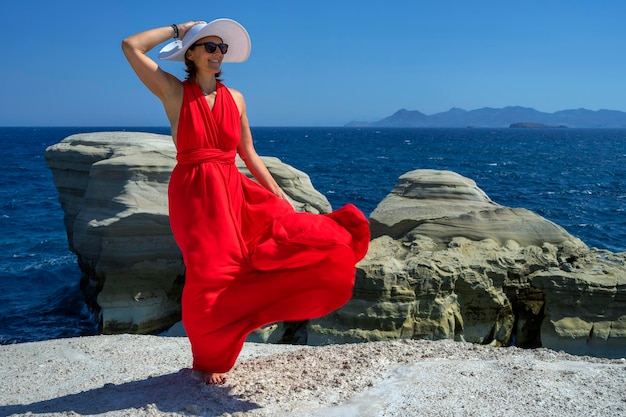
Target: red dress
250,258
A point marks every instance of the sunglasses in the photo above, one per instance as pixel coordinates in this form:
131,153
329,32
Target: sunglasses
212,46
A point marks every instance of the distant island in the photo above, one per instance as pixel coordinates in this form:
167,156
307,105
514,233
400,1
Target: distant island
527,125
502,118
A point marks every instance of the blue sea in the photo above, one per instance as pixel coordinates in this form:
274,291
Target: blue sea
573,177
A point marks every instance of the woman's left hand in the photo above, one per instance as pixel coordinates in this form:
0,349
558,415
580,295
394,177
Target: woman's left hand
184,27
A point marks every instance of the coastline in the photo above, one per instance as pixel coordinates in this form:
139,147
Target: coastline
137,375
506,164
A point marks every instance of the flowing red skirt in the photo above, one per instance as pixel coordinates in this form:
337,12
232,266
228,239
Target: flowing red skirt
250,259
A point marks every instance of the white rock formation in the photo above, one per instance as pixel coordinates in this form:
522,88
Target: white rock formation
113,190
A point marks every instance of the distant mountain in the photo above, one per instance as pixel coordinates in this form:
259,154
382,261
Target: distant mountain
504,117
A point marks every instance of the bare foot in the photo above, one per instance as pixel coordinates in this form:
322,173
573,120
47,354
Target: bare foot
208,377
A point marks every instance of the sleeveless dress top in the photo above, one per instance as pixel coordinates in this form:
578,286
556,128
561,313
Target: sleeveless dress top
250,258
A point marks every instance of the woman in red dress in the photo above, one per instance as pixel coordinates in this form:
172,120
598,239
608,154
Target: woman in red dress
250,258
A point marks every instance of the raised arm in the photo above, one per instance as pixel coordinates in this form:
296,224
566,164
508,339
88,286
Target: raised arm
164,85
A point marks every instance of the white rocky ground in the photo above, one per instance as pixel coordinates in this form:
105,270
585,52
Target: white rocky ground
130,375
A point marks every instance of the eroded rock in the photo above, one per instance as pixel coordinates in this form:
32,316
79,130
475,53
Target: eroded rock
113,191
446,262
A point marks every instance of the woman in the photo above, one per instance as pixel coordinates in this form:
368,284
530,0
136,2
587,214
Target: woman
250,259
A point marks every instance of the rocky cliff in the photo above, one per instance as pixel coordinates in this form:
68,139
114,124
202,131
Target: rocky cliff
445,262
113,190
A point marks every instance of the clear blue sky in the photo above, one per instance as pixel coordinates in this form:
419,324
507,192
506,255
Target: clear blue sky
320,63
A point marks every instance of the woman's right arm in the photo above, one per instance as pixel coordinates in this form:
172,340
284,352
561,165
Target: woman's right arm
164,85
135,48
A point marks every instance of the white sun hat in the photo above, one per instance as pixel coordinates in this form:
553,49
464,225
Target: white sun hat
231,33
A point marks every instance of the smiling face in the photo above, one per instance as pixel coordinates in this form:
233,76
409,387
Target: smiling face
204,60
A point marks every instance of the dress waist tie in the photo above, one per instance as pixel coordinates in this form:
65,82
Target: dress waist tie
200,156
